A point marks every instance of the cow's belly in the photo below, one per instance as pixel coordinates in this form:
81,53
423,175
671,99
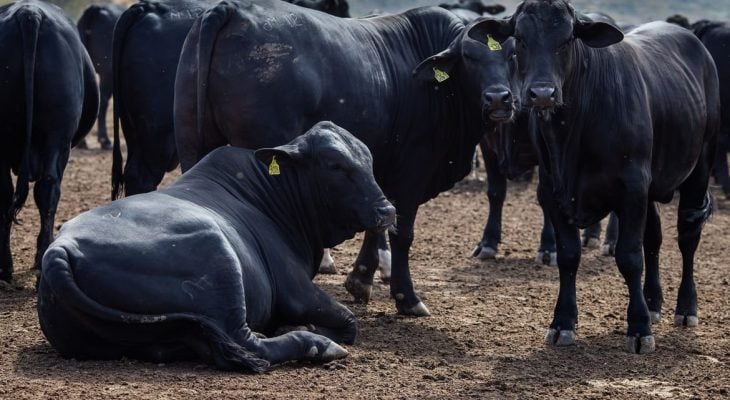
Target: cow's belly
158,257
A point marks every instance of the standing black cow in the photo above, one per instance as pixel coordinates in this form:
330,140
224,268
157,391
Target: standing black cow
618,124
421,130
192,271
48,102
96,28
338,8
716,37
147,44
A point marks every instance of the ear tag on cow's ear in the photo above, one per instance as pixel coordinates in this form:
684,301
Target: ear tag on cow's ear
493,44
274,167
439,75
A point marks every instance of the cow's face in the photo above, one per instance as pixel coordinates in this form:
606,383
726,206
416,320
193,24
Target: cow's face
484,68
339,172
547,33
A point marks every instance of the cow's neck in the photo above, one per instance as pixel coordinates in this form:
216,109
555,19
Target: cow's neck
293,202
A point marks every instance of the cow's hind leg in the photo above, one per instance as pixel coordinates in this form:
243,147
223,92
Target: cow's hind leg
695,207
609,244
6,221
629,258
496,192
47,193
652,244
592,236
720,169
105,93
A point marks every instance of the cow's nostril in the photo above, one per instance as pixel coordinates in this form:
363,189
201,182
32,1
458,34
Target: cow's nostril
542,95
490,98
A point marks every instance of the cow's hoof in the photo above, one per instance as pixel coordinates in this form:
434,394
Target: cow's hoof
640,345
689,321
547,258
334,352
419,310
592,243
484,253
359,290
384,265
105,144
608,250
327,265
558,338
656,317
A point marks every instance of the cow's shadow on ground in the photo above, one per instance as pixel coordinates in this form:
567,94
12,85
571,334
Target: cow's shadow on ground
15,298
593,361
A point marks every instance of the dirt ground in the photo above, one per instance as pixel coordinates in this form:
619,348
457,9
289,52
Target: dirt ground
484,339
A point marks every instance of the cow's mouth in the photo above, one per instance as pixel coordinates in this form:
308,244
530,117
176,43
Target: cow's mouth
498,115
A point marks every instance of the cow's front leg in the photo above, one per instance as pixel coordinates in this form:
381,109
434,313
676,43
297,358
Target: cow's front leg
6,221
565,316
630,261
401,285
359,282
496,192
313,310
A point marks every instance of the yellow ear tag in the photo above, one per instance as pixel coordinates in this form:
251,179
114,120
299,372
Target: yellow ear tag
274,167
493,44
439,75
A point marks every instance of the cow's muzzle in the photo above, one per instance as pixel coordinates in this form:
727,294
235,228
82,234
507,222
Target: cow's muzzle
542,97
385,215
498,104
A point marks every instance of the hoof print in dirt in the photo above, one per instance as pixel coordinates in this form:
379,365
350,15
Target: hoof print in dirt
558,338
688,321
640,345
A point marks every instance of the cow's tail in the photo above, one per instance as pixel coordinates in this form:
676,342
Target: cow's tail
126,21
58,277
30,23
211,22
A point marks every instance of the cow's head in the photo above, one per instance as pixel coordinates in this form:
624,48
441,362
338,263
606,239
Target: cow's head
485,67
339,177
549,35
679,19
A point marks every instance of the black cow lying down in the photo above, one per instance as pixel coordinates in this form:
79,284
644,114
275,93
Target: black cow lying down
192,271
48,102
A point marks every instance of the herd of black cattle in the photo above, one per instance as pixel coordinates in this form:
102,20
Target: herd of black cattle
219,265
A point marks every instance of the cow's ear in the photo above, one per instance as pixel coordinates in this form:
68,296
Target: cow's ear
493,9
274,156
437,67
596,34
498,29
